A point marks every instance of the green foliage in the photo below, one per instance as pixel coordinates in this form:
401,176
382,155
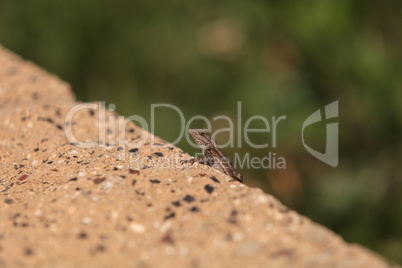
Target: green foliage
276,57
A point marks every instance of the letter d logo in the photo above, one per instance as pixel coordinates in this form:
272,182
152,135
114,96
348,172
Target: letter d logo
331,151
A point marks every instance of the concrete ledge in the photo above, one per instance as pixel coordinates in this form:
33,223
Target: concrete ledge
64,206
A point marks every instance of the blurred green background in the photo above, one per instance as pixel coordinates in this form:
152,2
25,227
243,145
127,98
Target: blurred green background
276,57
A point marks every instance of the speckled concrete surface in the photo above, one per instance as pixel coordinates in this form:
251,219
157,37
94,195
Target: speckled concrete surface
64,206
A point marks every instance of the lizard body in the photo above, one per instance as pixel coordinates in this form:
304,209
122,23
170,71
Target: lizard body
212,155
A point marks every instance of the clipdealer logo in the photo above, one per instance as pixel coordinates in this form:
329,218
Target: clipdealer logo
238,132
330,156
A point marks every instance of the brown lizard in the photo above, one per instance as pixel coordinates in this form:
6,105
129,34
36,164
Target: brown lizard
212,155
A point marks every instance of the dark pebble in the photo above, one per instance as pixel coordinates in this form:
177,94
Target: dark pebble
167,239
215,179
176,203
28,252
189,198
134,171
23,177
194,209
99,180
82,235
209,188
170,216
8,201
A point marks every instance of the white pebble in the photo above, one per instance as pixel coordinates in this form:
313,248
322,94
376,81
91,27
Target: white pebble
137,228
238,236
262,199
86,220
166,226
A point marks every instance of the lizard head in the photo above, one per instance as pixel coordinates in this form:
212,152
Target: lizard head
201,137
